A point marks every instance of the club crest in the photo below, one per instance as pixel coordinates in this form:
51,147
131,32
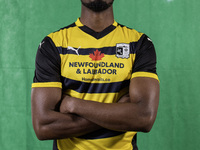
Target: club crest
122,50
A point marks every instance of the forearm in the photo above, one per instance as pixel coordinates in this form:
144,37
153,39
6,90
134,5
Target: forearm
115,116
49,123
56,125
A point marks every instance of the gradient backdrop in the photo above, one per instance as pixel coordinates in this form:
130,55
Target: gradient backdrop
174,27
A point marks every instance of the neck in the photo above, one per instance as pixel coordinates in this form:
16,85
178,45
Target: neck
97,21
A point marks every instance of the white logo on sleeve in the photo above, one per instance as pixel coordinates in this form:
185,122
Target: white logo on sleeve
73,49
41,44
149,39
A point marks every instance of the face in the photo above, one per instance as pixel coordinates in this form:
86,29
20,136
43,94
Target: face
97,5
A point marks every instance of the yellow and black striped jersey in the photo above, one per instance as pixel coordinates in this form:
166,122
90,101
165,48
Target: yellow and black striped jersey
98,67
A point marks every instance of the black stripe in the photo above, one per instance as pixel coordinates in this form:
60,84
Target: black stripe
69,26
105,50
124,26
98,35
134,142
102,133
55,147
83,87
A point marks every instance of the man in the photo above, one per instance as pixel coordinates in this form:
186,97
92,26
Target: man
95,83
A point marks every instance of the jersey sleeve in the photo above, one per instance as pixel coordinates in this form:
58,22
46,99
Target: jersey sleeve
145,59
47,65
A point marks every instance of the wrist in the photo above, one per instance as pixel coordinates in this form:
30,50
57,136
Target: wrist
77,105
67,104
72,105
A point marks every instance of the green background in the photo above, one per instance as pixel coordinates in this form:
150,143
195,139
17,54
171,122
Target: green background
174,27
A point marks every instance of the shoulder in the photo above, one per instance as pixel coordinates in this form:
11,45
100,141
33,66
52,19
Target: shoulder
138,39
60,35
132,33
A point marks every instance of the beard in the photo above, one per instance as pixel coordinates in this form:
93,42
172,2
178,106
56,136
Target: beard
97,5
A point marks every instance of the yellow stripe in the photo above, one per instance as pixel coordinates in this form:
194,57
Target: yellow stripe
115,23
47,84
145,74
98,97
78,23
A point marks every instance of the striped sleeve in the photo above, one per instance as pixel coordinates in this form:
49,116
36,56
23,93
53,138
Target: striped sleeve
145,60
47,65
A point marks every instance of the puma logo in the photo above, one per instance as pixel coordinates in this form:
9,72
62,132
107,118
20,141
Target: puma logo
73,49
